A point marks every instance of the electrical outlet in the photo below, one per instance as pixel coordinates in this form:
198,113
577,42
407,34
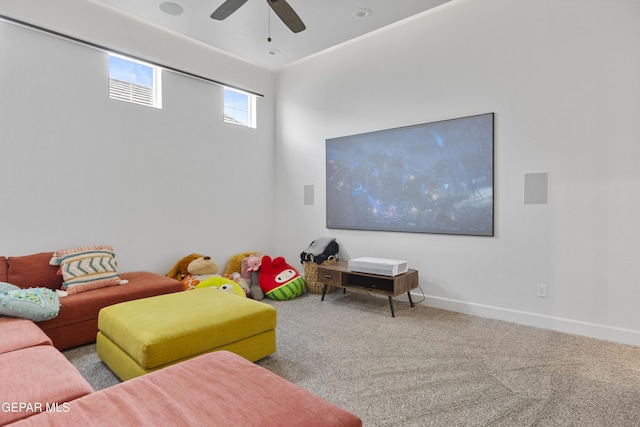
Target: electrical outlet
542,291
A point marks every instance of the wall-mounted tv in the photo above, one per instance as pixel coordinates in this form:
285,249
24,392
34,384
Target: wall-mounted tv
427,178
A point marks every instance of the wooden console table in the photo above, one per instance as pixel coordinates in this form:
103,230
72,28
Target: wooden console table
339,275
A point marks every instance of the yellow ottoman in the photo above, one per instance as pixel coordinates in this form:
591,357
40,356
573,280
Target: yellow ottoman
140,336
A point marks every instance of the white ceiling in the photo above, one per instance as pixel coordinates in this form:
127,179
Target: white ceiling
244,34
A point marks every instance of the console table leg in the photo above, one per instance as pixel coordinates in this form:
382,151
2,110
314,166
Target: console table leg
324,291
393,313
410,300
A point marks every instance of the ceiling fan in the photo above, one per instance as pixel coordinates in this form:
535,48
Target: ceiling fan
284,11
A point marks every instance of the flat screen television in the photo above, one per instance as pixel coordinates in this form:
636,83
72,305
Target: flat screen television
428,178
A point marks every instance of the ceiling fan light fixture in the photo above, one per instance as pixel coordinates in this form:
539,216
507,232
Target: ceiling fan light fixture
171,8
281,8
362,13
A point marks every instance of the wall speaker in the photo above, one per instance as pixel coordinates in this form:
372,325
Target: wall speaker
308,195
536,188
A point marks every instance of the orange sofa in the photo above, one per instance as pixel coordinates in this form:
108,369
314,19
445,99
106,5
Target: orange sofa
77,320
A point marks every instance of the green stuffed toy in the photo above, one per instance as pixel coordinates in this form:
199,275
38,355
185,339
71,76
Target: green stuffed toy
223,284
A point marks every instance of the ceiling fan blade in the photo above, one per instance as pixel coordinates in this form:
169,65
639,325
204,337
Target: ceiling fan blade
287,15
226,9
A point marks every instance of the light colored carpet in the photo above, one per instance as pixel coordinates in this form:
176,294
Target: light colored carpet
430,367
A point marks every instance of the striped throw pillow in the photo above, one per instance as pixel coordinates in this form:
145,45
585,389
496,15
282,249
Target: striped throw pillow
87,268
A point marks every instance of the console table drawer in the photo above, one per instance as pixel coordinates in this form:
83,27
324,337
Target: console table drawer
330,277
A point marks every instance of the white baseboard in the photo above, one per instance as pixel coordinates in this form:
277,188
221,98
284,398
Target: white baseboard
577,327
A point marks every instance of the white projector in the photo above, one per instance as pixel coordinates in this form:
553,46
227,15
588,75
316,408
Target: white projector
381,266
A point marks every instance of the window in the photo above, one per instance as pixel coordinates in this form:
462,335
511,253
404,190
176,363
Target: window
134,81
239,108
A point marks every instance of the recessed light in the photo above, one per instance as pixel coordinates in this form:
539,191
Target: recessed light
361,13
171,8
273,52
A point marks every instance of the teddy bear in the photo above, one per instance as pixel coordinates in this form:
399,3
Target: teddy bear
192,269
180,269
200,269
279,280
235,262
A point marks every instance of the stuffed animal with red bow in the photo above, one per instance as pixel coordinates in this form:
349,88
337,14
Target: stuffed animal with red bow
278,280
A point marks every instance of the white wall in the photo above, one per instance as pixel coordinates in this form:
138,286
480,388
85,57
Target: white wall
562,78
80,169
